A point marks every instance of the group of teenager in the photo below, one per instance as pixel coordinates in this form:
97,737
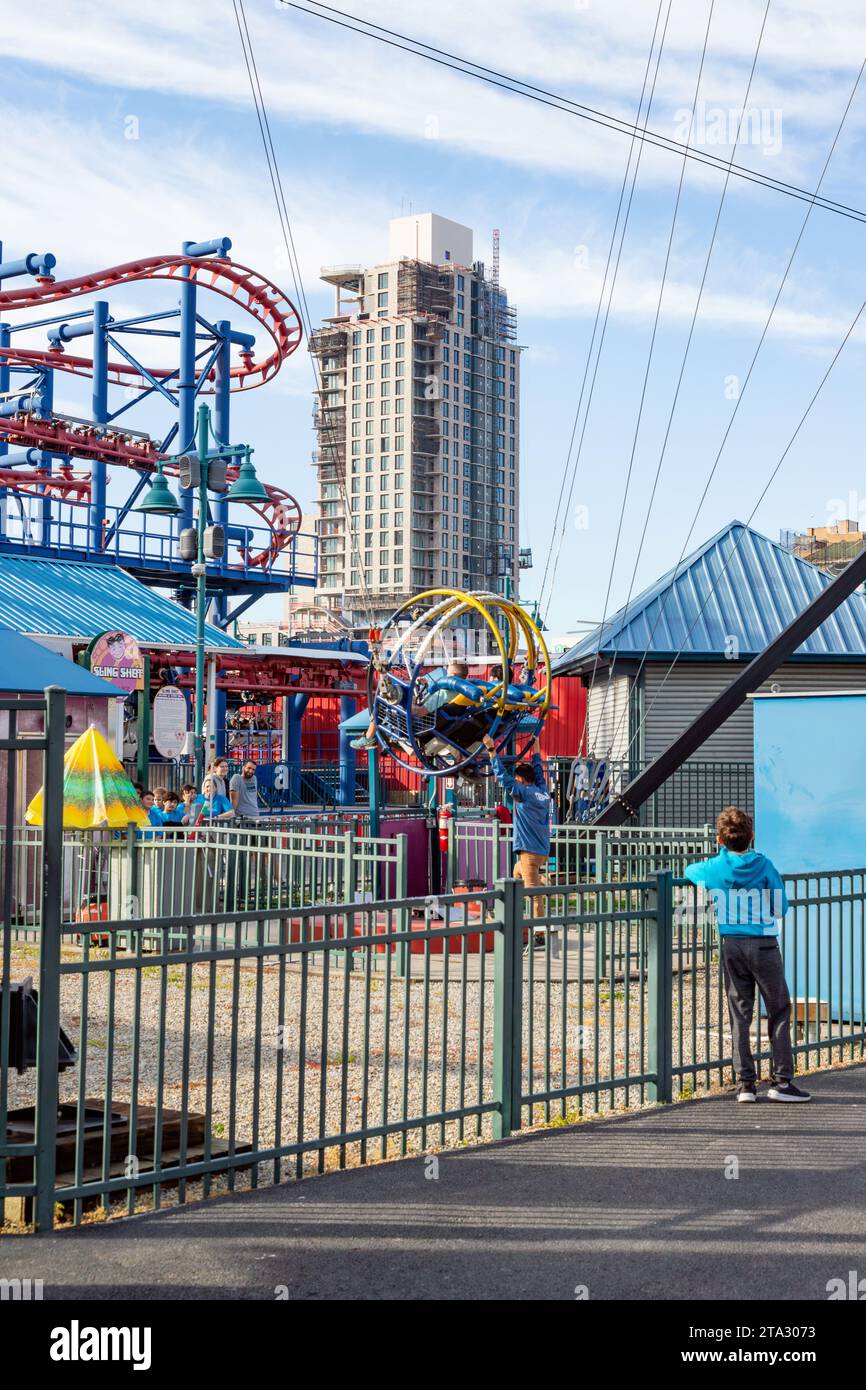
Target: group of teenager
222,797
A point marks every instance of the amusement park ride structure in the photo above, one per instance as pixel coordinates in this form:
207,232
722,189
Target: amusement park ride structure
54,467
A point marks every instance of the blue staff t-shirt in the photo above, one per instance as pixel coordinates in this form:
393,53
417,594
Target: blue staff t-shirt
213,806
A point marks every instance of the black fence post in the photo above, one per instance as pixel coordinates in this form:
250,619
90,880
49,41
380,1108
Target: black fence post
48,1026
508,1007
660,987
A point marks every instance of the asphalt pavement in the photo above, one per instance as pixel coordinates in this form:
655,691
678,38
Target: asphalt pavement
701,1200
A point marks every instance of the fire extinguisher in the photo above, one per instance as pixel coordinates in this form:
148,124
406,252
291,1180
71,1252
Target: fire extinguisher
445,814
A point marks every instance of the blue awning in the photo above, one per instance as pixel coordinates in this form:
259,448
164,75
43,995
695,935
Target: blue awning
74,599
26,668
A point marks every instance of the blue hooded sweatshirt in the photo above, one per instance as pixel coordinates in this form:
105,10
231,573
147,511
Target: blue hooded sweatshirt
746,889
531,807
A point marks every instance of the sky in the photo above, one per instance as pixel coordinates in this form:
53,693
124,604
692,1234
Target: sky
130,128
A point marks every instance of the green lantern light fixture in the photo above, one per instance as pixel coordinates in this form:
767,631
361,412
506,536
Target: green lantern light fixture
159,500
246,486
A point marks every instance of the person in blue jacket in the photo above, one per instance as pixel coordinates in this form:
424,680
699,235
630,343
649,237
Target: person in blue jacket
749,899
531,801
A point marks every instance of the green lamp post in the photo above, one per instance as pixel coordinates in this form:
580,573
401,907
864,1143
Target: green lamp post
160,501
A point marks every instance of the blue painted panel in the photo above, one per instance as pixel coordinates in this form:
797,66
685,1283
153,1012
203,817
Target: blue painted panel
810,817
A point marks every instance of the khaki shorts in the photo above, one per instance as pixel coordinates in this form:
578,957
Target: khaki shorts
532,869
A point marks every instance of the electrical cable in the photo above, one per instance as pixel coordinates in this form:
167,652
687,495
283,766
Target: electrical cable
605,322
295,269
663,605
557,102
599,722
651,352
559,513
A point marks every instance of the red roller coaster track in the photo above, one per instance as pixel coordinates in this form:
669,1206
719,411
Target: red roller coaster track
252,292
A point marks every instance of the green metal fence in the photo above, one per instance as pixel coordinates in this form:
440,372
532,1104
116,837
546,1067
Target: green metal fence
177,872
823,942
479,851
239,1048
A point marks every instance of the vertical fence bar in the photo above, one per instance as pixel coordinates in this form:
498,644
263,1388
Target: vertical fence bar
507,1007
48,1027
401,948
660,987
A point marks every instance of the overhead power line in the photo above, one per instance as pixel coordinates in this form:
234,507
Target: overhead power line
649,360
541,95
295,269
569,472
734,413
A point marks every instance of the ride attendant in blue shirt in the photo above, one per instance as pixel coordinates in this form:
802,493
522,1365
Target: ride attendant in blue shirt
213,806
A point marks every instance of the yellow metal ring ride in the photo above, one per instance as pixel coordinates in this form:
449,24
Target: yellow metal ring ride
431,714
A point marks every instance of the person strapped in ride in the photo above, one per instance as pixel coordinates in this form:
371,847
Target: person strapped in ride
460,724
531,798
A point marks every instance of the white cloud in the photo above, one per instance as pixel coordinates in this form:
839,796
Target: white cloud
156,192
316,71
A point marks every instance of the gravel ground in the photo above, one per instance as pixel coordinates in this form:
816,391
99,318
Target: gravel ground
368,1059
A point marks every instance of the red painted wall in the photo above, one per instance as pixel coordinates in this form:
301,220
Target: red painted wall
565,727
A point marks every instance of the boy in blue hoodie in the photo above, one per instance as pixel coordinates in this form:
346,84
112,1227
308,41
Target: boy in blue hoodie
749,899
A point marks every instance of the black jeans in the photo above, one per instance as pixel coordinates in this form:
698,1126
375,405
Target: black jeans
750,961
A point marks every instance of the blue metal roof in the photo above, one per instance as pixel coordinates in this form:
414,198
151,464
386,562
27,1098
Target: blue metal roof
739,585
26,667
73,599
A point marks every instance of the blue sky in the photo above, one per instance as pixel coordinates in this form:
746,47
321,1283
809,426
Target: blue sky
364,132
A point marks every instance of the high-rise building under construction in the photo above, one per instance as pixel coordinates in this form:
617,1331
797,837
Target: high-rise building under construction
418,422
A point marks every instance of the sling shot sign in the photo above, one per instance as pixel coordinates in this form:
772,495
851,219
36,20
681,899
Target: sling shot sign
116,657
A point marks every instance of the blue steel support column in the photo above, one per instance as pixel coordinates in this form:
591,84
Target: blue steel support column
296,714
100,416
221,415
186,380
45,411
5,378
346,791
98,471
373,792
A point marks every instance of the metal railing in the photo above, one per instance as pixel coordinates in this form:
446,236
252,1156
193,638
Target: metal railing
695,792
240,1048
479,851
143,540
175,872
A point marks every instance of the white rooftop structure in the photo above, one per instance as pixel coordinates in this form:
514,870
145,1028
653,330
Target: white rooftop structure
425,236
